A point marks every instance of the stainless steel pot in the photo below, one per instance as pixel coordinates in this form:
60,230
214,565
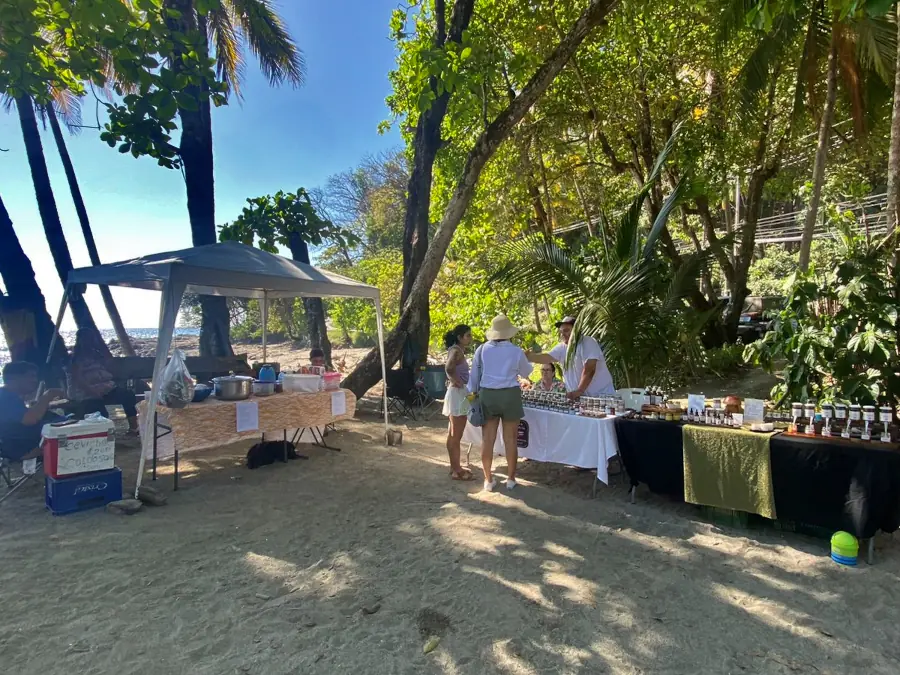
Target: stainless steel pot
233,387
263,388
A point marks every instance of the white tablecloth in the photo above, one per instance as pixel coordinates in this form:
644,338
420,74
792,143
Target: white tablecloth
586,442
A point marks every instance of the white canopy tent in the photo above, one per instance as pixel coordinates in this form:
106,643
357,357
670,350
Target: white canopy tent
228,269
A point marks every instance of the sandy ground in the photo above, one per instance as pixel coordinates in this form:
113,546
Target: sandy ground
351,561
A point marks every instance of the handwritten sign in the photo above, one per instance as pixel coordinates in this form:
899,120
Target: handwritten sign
754,410
696,402
338,404
247,413
86,453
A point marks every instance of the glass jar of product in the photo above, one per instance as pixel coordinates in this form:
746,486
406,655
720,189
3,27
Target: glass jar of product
868,414
855,412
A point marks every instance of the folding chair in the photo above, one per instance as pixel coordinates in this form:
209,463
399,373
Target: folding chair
12,481
421,397
400,393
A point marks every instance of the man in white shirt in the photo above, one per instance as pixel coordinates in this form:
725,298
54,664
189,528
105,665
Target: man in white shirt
588,374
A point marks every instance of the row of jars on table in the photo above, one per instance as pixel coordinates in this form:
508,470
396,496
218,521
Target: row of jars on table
585,406
839,419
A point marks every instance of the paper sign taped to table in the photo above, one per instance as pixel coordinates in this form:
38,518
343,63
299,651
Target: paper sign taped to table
338,404
754,410
87,453
247,413
696,402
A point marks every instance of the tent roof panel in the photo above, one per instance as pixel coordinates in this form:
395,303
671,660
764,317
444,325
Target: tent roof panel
229,269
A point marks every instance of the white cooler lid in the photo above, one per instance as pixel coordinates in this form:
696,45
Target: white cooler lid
80,428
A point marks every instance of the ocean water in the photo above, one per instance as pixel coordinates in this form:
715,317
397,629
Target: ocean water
108,334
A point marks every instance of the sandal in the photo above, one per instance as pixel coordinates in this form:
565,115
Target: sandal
463,475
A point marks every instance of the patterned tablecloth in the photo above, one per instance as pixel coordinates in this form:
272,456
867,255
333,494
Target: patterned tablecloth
213,423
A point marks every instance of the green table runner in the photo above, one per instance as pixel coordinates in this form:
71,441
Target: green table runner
728,468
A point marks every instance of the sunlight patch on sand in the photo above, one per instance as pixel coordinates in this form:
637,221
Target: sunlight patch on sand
529,591
562,551
510,662
770,612
482,534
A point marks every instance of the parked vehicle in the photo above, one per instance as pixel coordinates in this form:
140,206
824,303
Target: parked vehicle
755,319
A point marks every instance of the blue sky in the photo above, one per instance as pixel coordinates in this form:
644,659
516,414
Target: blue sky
275,139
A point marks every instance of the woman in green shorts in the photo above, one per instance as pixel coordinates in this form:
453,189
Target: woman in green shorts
496,368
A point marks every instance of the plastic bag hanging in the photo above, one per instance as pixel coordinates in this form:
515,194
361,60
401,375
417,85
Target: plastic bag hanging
176,384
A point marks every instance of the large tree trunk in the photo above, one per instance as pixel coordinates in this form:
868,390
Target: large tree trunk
196,150
893,177
314,308
426,143
818,176
56,238
26,324
108,302
368,372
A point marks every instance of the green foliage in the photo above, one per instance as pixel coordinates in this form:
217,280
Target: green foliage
725,360
53,46
620,292
837,335
283,219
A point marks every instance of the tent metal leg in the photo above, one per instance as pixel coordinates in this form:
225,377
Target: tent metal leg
176,467
155,437
285,446
633,492
870,554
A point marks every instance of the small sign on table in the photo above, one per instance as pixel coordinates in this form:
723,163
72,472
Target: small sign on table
338,404
754,410
247,413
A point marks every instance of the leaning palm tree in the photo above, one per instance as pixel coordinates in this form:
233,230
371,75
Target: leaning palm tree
230,27
623,294
855,37
56,238
70,110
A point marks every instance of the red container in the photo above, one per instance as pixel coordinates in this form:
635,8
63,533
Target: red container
78,448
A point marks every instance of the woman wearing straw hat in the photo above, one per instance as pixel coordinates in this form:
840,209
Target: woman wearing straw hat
496,368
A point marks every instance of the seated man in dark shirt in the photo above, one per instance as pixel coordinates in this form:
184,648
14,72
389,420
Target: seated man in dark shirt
20,425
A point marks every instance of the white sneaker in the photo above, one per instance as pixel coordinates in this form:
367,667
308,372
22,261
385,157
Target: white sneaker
511,483
489,485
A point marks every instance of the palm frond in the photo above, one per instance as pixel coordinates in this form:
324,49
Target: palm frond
876,45
770,50
540,264
279,57
67,107
733,19
668,205
220,26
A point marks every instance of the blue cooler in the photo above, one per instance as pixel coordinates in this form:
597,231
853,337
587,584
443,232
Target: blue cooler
82,492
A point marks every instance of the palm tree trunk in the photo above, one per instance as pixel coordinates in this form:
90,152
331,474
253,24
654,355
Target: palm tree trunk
26,324
108,302
196,151
43,190
818,177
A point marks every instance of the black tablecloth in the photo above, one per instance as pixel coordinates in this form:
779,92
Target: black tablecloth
836,484
651,452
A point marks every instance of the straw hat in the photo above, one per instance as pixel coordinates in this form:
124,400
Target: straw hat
501,328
